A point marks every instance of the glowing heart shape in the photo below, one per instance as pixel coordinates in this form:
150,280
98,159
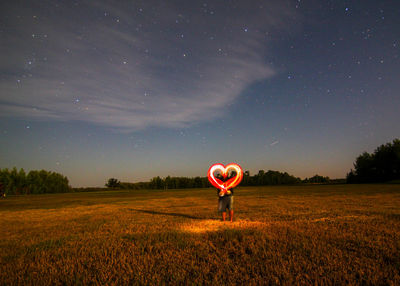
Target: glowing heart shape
230,183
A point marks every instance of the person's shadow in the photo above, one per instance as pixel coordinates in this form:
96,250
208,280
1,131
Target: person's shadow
168,214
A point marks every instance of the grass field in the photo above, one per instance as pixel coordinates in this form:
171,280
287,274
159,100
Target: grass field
322,235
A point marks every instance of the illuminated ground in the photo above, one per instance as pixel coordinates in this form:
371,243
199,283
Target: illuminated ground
335,234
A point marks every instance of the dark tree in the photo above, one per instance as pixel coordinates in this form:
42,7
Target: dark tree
317,179
156,183
2,192
381,166
113,183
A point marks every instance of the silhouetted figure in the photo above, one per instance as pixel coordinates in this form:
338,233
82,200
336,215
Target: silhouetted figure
225,198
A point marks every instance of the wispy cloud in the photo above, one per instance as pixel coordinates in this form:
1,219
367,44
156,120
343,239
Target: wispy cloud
132,66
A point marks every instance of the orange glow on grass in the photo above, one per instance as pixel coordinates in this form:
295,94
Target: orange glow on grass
210,225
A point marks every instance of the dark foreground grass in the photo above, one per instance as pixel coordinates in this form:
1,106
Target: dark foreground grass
322,235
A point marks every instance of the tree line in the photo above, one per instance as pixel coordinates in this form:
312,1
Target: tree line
262,178
161,183
16,182
382,165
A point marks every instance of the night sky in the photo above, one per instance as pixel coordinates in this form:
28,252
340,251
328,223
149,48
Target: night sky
136,89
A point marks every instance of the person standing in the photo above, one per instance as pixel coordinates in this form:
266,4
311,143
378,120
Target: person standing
225,200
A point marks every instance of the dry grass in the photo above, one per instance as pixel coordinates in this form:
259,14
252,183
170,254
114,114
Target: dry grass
281,235
210,225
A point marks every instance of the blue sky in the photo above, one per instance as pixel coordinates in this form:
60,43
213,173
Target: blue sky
141,89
